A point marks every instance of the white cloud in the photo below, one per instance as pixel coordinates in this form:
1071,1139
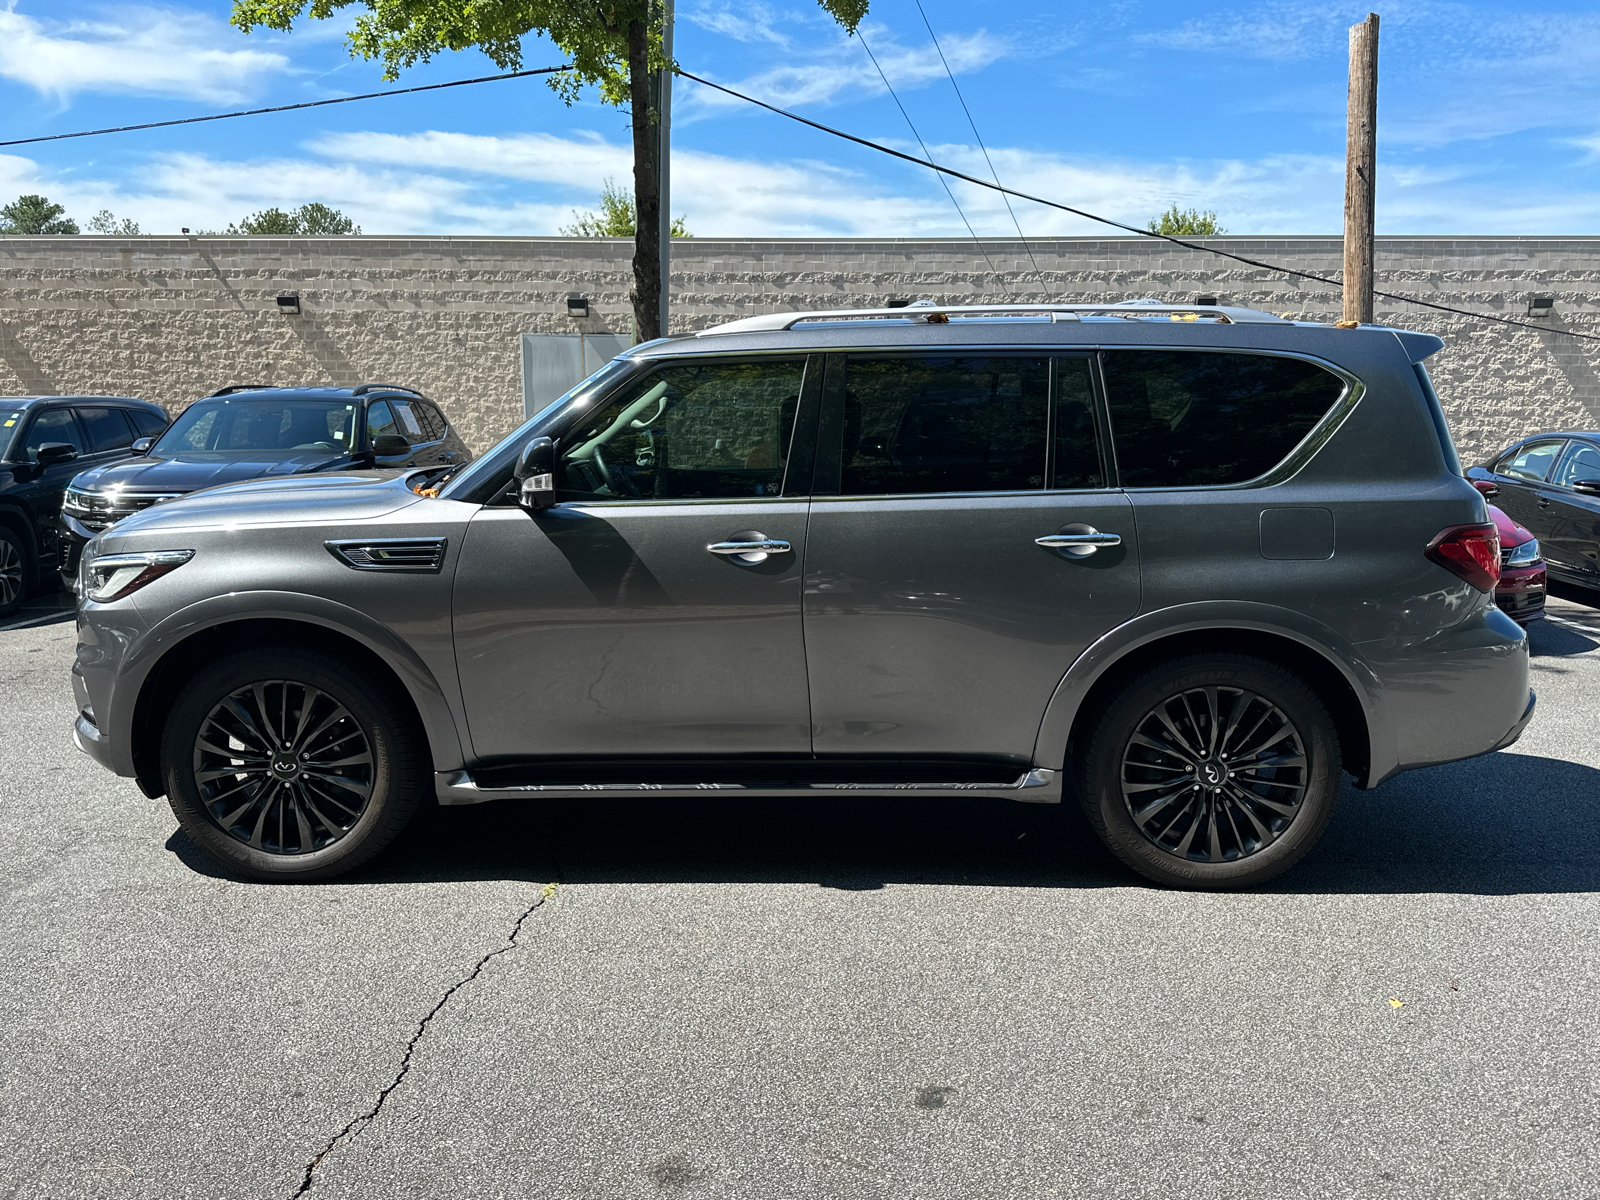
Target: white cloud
133,49
750,22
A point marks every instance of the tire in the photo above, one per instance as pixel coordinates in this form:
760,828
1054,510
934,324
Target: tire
1158,734
276,816
16,571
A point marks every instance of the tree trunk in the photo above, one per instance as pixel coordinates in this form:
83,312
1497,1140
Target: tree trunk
646,190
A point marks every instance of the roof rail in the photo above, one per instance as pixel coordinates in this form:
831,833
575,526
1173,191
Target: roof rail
364,388
942,314
240,387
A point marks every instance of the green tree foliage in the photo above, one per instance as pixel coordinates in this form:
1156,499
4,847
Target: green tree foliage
616,217
1186,222
37,215
105,221
309,220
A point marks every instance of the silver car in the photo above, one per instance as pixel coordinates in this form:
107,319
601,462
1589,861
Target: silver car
1183,565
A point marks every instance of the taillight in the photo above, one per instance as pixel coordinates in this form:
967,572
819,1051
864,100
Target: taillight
1469,551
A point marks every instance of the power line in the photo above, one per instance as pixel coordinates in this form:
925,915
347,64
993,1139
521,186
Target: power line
984,148
1078,212
942,179
256,112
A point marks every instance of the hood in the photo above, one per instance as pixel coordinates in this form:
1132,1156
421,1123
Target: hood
307,499
190,470
1511,534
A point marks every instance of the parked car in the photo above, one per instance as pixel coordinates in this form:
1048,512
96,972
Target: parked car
44,442
1521,590
1142,556
246,431
1551,484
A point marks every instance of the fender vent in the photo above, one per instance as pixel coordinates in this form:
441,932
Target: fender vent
391,554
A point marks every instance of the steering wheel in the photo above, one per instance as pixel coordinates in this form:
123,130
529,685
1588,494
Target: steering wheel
624,488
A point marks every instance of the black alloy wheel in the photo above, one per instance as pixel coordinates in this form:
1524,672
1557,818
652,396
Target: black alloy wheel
13,572
283,767
1214,774
290,764
1211,771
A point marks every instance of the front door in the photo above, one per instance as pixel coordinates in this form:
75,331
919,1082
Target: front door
1519,477
936,624
654,611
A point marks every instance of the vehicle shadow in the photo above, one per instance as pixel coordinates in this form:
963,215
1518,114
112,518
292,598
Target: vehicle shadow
1501,824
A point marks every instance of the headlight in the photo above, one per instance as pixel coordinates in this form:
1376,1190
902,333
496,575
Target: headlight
1524,555
113,576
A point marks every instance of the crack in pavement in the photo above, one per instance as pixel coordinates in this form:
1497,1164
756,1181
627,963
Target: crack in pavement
359,1123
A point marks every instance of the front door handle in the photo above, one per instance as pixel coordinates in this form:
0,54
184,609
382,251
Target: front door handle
750,548
1078,541
1543,503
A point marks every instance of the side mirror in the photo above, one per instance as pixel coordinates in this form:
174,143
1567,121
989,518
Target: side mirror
55,452
142,445
1489,488
1591,486
390,445
536,478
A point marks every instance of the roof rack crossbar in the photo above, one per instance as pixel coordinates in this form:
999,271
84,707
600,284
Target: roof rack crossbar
364,388
776,322
239,387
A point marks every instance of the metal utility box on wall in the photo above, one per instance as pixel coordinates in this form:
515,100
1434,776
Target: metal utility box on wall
552,363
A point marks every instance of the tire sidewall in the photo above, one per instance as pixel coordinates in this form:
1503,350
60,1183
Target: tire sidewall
1101,766
26,586
386,812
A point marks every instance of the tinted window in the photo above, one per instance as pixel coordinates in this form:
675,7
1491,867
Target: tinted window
1582,461
147,423
1077,452
714,430
56,425
1183,418
380,420
432,422
261,424
410,424
1531,462
106,428
944,424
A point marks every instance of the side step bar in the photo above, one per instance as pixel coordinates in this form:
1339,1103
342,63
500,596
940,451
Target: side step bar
1039,785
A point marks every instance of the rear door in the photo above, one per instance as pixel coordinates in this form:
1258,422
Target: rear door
936,625
1572,517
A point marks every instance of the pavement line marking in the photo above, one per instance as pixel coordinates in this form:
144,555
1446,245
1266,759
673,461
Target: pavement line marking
54,616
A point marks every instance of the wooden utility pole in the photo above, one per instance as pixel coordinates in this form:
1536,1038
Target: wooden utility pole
1360,171
664,118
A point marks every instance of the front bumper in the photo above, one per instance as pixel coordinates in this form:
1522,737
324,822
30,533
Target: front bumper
1520,593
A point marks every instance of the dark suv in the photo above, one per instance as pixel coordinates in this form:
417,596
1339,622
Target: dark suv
250,431
1183,565
44,442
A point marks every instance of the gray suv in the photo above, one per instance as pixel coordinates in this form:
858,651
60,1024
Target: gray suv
1184,565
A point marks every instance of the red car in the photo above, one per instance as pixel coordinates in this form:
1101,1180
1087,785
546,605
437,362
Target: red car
1520,592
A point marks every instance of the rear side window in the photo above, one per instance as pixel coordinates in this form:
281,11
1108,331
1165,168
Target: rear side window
1532,463
147,423
945,424
428,416
1185,418
409,423
106,428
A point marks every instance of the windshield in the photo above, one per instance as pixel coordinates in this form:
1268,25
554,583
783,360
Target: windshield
490,473
258,423
10,422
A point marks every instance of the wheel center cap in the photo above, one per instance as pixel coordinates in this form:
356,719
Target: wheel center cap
1213,773
285,767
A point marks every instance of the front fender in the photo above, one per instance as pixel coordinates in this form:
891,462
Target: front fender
1050,749
435,706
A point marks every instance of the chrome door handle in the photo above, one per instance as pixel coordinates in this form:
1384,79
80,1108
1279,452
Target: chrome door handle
1082,541
750,550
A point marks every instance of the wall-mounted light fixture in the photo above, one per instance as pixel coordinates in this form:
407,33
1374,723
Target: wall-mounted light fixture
1541,306
1206,300
289,304
897,304
577,307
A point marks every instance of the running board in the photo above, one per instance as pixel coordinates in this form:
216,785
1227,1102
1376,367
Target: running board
1040,785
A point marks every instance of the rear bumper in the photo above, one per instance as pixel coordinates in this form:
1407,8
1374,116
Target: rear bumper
1522,722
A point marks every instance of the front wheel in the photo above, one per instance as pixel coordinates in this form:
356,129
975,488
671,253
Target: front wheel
290,765
1212,771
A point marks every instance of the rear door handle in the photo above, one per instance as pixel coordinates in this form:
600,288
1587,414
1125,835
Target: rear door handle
1543,503
1083,541
751,549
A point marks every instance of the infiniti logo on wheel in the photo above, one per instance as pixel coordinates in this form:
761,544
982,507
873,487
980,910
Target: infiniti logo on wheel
1214,773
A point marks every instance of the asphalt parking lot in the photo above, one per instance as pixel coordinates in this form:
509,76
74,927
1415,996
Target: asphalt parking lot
878,999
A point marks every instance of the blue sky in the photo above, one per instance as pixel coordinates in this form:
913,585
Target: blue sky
1489,119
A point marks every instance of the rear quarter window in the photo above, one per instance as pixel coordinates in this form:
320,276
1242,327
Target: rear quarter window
1187,418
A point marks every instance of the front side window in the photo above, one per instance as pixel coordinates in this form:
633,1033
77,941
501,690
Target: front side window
106,428
1532,462
56,425
930,424
1187,418
147,423
244,424
712,431
1581,461
380,420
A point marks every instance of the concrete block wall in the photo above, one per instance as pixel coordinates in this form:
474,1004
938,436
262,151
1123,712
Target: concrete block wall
170,319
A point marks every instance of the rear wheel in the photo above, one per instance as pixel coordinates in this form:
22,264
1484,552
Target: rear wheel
286,764
1213,771
14,571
